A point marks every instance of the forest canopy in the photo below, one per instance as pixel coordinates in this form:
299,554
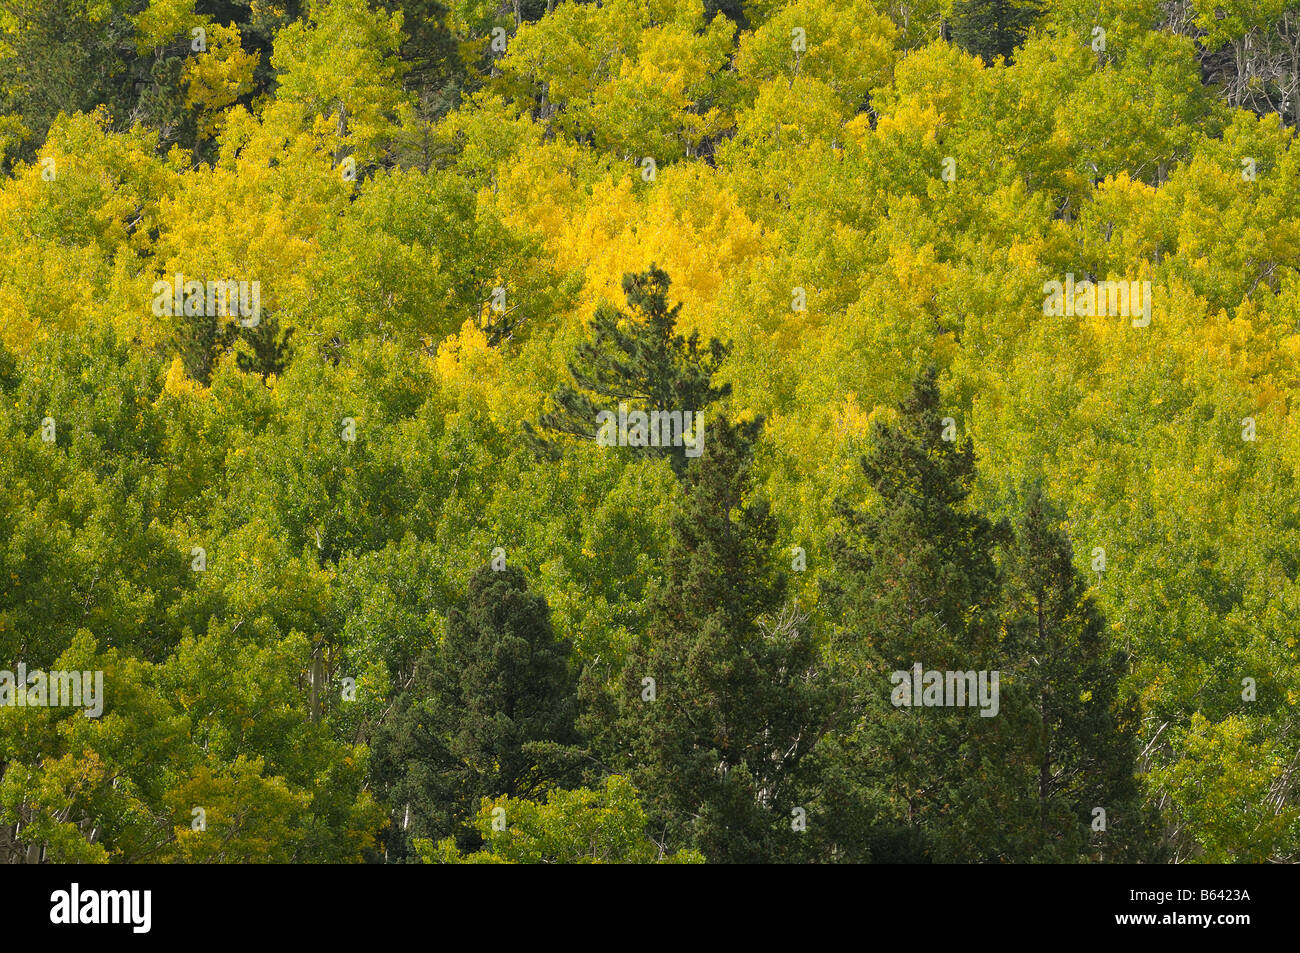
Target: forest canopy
340,343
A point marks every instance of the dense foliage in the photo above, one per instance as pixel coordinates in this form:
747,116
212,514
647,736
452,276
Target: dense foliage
361,584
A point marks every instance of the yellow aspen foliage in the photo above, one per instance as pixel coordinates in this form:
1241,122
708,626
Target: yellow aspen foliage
217,77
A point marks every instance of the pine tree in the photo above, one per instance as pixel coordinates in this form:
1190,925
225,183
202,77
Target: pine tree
916,582
1085,743
718,741
200,339
635,358
992,28
491,713
264,349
